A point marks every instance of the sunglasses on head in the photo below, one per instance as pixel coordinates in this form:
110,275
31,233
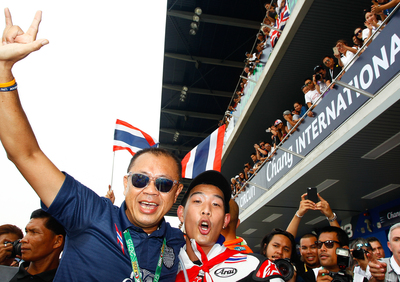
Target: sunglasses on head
328,244
360,245
142,181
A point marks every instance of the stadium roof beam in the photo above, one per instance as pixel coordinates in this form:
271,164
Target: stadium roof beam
199,91
215,19
175,147
204,60
185,133
192,114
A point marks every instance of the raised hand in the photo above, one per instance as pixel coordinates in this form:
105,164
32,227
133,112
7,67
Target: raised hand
17,44
377,269
305,205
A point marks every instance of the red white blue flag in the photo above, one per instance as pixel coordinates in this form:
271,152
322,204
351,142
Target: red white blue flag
280,24
128,137
205,156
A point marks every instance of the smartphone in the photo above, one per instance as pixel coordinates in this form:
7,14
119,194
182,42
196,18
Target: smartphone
312,194
335,51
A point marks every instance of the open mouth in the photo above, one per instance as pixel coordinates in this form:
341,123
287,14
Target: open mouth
148,206
204,227
310,258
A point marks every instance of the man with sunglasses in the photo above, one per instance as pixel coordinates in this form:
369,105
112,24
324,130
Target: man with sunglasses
333,68
329,239
103,242
312,95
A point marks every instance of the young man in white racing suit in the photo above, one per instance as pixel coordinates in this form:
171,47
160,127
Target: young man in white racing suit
205,212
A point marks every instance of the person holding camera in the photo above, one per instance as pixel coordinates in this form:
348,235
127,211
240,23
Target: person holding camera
9,236
279,246
321,84
308,248
361,249
334,257
40,249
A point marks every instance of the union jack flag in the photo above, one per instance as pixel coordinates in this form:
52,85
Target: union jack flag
280,23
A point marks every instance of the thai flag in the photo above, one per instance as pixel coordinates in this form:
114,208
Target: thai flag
119,238
205,156
236,258
280,24
128,137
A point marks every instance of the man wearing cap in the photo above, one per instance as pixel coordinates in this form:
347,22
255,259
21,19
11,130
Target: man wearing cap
279,129
204,210
291,120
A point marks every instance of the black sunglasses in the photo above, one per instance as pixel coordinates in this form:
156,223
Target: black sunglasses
328,244
142,181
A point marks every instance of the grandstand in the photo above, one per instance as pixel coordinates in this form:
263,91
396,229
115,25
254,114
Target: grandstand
352,160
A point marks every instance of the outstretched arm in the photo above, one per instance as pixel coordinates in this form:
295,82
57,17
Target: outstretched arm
16,133
305,205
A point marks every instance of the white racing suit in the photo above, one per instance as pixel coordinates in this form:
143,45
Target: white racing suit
222,264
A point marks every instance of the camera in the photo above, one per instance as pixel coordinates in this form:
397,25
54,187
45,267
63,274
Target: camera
343,261
16,248
318,76
340,276
286,268
359,253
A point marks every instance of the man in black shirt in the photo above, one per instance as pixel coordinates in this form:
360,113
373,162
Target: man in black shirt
333,68
41,248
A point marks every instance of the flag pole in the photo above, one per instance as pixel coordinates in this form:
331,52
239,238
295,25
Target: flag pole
112,170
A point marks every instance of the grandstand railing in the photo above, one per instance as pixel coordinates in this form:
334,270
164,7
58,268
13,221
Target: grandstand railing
371,71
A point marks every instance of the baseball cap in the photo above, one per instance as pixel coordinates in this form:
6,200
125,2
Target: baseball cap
287,112
278,121
211,177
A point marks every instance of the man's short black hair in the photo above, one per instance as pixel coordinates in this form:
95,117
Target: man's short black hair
340,234
158,152
9,228
373,239
51,223
309,235
328,56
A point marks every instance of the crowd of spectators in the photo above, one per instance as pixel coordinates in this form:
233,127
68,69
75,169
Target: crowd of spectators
93,223
315,87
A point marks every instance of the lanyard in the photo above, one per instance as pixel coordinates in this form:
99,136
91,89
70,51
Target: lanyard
135,263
